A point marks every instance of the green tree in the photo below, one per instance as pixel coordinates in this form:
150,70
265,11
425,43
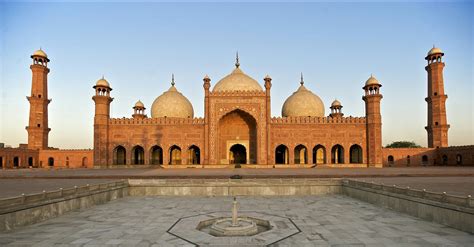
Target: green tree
403,144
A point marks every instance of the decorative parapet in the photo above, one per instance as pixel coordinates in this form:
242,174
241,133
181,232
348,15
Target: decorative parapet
23,201
156,121
463,201
238,93
318,120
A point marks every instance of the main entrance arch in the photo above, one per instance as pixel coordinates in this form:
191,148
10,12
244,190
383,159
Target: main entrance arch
237,133
238,154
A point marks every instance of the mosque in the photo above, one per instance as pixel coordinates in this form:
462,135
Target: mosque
237,128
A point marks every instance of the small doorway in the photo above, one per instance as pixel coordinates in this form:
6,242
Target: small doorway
50,161
30,161
238,154
16,162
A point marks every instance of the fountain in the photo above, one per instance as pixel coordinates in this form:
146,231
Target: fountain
235,225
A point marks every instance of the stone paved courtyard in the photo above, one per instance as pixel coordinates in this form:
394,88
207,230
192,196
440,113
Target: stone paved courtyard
322,220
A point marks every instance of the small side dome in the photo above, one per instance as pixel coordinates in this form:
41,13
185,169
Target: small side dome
303,102
372,81
336,103
40,53
139,104
102,82
172,104
435,50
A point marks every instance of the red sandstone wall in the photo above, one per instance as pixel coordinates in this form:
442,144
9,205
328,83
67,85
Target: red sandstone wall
150,132
461,156
408,156
10,157
66,158
344,132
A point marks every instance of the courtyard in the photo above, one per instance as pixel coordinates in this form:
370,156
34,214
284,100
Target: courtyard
334,220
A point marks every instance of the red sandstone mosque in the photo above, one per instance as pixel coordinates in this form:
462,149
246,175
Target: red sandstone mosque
237,128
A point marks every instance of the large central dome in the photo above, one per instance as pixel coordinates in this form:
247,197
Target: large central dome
237,81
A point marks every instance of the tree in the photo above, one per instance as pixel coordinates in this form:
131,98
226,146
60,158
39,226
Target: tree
403,144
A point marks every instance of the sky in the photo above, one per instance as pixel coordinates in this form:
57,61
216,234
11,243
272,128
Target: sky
137,46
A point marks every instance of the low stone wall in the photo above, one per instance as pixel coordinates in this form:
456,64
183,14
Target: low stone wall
450,210
29,209
231,187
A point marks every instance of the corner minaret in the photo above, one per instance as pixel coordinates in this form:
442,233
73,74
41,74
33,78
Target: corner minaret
102,101
38,123
438,126
372,100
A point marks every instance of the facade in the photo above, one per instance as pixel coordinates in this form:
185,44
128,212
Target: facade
237,128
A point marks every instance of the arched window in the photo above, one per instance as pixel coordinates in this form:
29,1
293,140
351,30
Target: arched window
16,161
282,155
319,154
120,155
459,159
301,154
445,159
355,153
138,155
337,154
424,160
175,155
156,155
51,161
408,160
390,160
84,162
194,155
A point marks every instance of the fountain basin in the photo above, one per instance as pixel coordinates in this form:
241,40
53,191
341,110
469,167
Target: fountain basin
224,227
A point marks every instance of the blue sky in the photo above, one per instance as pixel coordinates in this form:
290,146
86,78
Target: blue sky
137,46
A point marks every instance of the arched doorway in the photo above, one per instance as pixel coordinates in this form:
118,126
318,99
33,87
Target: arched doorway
120,155
238,154
16,161
194,155
237,127
319,154
445,159
337,154
138,157
175,155
424,160
84,162
355,153
458,159
156,155
1,162
51,161
282,155
30,161
301,155
390,160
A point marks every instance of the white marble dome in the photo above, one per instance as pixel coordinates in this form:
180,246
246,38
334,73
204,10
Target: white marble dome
303,102
237,81
40,53
102,82
372,81
172,104
435,50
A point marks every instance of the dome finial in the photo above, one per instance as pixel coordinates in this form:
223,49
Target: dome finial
172,79
302,81
237,64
